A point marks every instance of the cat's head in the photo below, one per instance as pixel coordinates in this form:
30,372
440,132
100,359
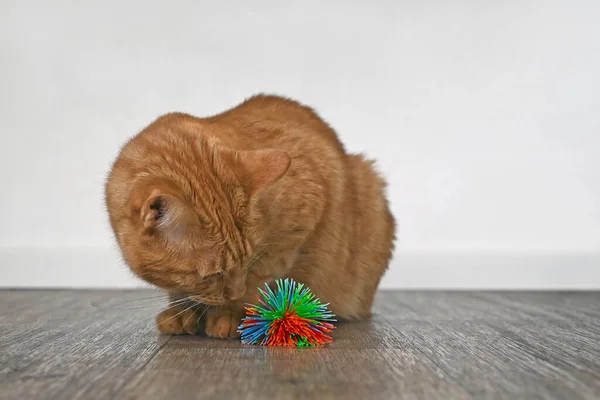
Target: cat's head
186,211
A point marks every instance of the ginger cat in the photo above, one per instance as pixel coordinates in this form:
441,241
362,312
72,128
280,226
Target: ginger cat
209,209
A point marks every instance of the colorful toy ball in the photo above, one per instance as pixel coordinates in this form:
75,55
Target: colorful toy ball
290,316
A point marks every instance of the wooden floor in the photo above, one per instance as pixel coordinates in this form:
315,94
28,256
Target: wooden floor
419,345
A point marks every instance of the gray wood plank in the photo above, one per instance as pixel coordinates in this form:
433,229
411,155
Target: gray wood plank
565,336
257,373
446,345
366,361
564,309
68,344
462,334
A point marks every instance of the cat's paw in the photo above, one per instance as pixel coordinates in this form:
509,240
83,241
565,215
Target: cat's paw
177,320
223,323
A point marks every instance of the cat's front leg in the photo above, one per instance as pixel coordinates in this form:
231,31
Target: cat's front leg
182,317
223,322
179,320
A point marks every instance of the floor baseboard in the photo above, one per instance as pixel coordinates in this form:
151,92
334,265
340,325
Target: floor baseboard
78,267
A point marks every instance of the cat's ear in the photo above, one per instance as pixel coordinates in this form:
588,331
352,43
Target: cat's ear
167,214
258,169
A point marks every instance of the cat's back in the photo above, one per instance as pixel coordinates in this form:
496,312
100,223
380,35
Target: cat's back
263,114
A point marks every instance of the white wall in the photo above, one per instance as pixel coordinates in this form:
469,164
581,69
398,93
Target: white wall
485,117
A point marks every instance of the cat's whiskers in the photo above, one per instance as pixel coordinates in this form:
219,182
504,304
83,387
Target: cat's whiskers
190,316
143,302
143,306
275,200
153,315
201,314
255,259
160,296
158,303
181,312
262,260
183,300
160,300
173,304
